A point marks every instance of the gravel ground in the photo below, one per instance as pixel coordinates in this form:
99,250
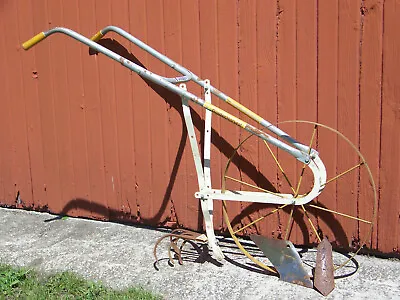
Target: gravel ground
121,256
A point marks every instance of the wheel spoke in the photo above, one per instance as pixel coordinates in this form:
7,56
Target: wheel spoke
339,213
343,173
260,218
304,165
311,223
253,186
279,166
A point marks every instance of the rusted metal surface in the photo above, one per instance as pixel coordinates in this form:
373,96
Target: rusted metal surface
324,278
81,136
284,257
176,236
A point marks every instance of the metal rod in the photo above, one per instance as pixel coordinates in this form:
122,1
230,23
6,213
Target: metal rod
280,167
339,213
260,218
311,223
304,165
289,225
253,186
343,173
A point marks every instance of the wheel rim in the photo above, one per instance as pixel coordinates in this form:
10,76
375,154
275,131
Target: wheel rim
314,214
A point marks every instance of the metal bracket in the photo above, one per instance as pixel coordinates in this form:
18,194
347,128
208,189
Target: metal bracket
203,171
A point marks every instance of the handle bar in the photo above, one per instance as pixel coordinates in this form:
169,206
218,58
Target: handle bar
302,152
200,82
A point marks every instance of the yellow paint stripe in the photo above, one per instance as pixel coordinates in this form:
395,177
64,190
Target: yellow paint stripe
244,109
224,114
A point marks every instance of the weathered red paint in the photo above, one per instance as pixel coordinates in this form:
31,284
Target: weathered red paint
84,136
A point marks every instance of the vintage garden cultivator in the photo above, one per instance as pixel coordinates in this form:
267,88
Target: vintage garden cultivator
319,219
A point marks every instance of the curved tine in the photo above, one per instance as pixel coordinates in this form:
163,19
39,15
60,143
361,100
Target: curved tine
169,62
182,245
155,248
176,250
170,260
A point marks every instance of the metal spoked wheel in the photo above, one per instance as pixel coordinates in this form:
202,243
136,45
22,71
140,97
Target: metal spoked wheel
344,212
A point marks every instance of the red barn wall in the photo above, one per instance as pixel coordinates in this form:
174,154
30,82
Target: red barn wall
83,136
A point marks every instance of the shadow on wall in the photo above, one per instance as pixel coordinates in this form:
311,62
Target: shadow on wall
221,144
218,141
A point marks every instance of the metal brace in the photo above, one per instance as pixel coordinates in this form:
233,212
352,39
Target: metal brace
203,170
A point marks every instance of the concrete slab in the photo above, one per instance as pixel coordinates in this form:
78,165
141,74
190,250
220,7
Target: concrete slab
121,256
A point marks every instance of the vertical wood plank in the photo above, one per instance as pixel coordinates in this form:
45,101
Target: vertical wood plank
267,96
348,112
177,165
92,107
209,58
124,120
158,116
388,222
327,102
370,105
247,80
80,201
46,93
228,136
61,100
107,87
190,35
7,190
286,82
306,101
141,112
20,172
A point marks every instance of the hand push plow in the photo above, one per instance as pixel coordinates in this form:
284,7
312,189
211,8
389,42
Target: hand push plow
254,205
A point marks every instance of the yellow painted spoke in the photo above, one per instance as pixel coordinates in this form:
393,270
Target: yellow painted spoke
260,218
304,165
289,225
299,183
279,166
253,186
343,173
311,223
339,213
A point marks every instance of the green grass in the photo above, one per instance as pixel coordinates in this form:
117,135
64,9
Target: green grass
23,283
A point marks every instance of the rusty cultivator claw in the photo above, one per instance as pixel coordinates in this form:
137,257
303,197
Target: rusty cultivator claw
297,204
174,237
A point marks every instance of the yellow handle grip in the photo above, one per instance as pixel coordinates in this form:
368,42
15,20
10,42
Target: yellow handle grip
97,37
33,41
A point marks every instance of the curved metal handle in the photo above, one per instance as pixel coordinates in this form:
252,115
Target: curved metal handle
168,84
187,75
